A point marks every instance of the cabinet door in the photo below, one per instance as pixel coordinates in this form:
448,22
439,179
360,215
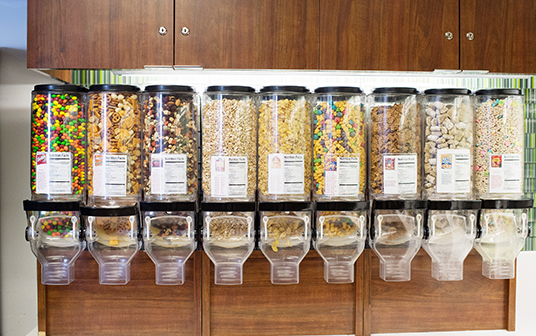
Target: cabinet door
399,35
503,35
247,34
99,33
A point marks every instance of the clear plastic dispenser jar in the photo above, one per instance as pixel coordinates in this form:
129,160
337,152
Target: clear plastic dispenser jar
112,238
169,238
341,233
395,143
170,143
504,227
228,238
448,144
395,236
285,238
229,145
58,143
339,144
449,235
284,144
499,144
114,146
54,235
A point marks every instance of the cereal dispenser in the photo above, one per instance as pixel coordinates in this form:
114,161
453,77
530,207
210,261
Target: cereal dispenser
504,227
229,144
395,236
114,146
169,238
448,236
448,144
54,235
284,144
285,238
499,144
395,143
339,144
112,238
169,143
228,238
58,143
341,232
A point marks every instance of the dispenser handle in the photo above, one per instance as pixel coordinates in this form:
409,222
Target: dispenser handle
146,229
472,219
380,219
432,227
419,230
362,232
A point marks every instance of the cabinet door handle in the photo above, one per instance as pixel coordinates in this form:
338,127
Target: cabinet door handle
470,36
185,31
162,30
449,35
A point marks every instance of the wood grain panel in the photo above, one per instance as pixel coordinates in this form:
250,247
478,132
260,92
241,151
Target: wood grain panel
257,307
389,35
424,304
247,34
139,308
78,34
504,35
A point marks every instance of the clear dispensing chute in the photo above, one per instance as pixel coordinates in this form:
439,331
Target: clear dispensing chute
504,227
341,232
228,238
112,238
54,234
285,238
449,237
169,238
396,234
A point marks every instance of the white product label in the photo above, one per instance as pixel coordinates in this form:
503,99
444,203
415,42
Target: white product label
168,173
400,174
285,174
110,175
453,171
229,176
505,173
53,173
341,176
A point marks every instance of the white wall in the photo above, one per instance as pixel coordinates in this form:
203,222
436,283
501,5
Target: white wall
18,283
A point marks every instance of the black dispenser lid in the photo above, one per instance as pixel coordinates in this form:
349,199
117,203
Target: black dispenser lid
399,205
50,206
507,204
229,207
109,212
343,206
167,206
454,205
286,206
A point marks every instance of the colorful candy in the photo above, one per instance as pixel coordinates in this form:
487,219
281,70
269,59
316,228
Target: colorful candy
58,125
60,226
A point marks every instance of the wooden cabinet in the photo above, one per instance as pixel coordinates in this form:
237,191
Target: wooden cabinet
257,307
503,35
247,34
108,34
402,35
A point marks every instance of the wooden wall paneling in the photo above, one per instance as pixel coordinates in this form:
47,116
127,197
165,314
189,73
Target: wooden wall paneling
504,35
107,34
424,304
404,35
61,75
247,34
359,295
139,308
257,307
367,304
41,304
207,280
511,322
